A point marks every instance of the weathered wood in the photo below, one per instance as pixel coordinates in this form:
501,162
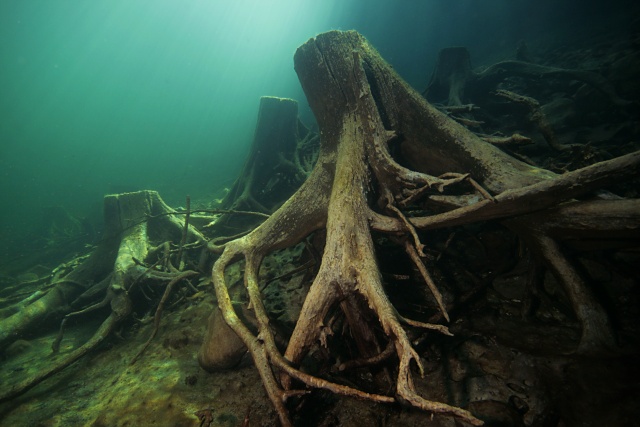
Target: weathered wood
453,76
130,221
275,168
362,106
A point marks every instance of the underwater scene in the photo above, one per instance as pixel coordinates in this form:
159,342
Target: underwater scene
320,213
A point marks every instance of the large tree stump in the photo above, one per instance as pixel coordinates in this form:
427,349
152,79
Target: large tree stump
362,108
282,155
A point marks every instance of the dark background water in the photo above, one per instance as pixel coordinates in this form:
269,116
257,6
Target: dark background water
110,96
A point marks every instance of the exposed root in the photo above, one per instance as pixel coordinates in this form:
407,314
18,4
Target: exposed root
369,361
100,335
130,219
417,247
156,318
537,116
347,269
361,105
414,255
516,139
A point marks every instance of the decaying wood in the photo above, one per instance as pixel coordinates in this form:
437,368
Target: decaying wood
362,106
536,115
383,150
453,78
281,157
515,139
131,219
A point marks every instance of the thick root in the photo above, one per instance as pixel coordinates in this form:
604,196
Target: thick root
361,105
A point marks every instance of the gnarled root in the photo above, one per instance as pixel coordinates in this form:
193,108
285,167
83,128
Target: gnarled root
334,197
129,219
362,106
348,268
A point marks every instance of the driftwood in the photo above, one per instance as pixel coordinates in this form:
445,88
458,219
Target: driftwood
363,109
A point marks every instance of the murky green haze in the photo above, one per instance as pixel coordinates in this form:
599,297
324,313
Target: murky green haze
118,95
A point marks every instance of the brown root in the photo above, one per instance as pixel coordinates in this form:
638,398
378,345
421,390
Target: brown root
131,219
362,107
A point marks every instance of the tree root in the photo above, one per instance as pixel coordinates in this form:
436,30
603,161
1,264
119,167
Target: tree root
98,337
158,315
580,221
453,77
362,106
277,164
130,219
537,116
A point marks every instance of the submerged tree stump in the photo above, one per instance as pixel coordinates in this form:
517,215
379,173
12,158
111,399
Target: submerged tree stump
389,166
281,157
136,225
364,109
